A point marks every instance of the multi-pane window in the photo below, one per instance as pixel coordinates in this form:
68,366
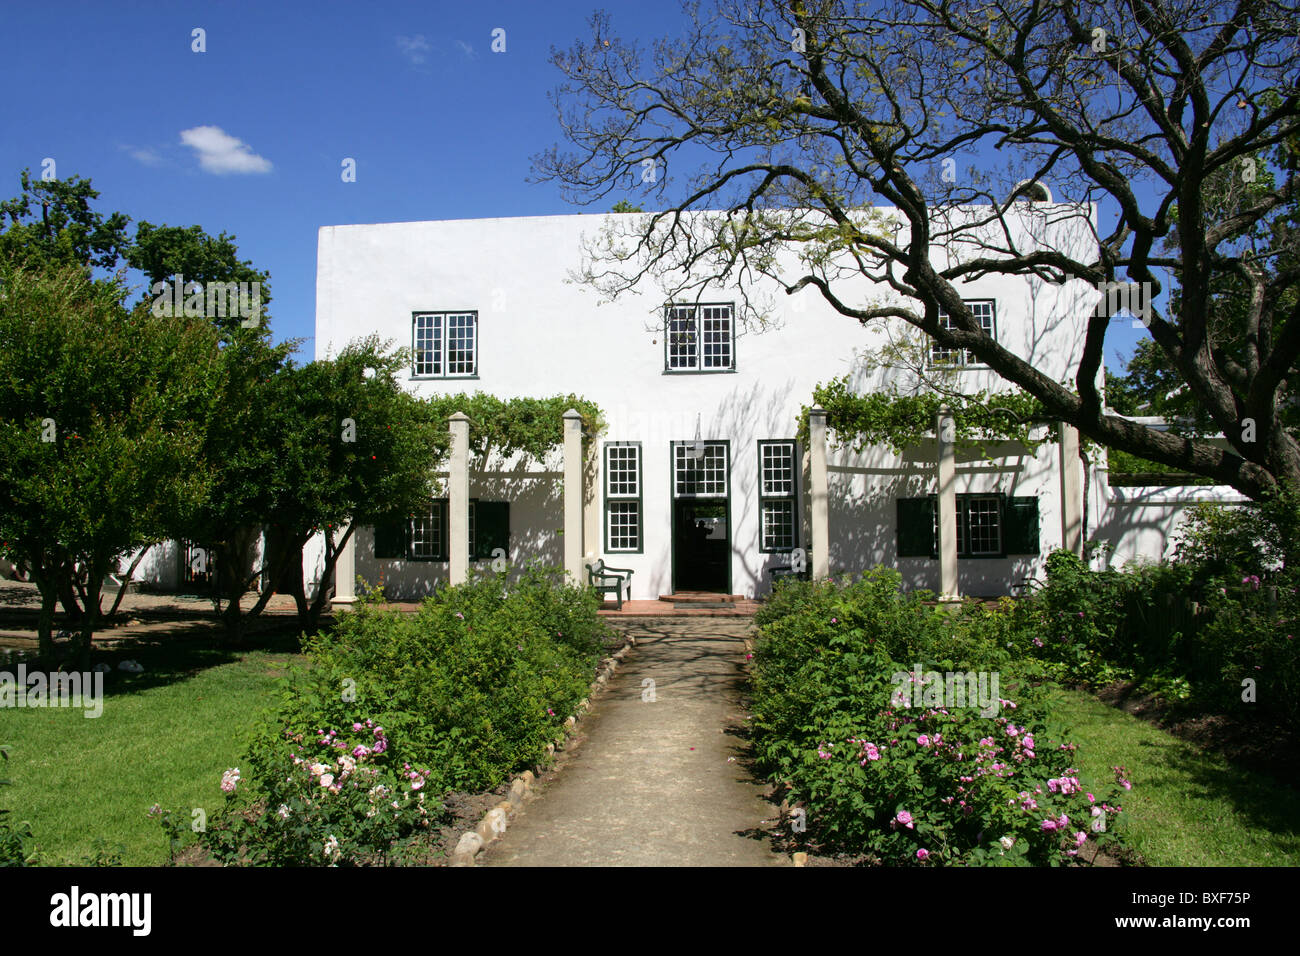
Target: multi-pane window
623,496
428,345
979,526
700,469
982,310
777,488
426,535
445,344
700,338
428,532
623,522
988,526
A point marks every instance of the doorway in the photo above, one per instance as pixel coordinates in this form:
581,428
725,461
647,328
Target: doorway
701,545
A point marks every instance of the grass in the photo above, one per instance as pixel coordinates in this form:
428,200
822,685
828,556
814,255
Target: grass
1187,807
165,736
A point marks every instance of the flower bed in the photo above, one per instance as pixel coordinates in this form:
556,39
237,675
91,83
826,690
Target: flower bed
396,710
849,711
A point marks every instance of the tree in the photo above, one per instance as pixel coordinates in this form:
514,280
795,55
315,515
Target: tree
802,115
1152,385
353,448
68,231
101,414
65,230
164,252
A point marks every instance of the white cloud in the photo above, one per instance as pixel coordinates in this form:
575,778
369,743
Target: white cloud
221,153
414,48
143,154
466,49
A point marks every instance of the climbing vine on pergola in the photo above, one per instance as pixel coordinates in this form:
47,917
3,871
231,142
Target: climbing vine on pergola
900,421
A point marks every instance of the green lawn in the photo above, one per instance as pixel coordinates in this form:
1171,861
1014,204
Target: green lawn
165,736
1186,808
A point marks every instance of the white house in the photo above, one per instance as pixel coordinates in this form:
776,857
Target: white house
697,482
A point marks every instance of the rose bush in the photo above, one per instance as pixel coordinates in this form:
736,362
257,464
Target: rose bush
914,785
396,709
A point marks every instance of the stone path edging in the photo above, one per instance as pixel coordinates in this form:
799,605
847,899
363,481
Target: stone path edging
496,821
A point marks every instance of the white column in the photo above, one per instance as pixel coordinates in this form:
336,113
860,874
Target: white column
458,499
591,518
821,525
573,536
945,431
345,571
1071,489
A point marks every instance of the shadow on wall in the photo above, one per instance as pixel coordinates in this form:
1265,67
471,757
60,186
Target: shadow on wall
864,517
536,519
1142,529
766,411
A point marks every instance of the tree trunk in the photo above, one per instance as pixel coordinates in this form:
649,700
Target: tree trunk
296,587
332,551
67,593
81,645
231,582
45,621
126,581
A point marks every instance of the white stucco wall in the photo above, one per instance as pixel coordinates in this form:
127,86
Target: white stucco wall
540,335
1142,523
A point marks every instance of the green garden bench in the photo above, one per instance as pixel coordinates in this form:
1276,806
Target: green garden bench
786,573
607,580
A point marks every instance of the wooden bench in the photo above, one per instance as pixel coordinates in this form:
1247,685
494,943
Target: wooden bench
607,580
786,573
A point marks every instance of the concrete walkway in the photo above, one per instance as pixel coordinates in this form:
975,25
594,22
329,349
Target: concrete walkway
634,792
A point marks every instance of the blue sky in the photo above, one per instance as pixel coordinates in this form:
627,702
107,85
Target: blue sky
249,136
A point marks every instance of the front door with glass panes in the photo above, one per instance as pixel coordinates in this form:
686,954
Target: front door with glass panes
701,516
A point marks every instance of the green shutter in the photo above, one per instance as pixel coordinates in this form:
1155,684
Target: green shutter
916,537
1020,525
390,539
444,524
492,527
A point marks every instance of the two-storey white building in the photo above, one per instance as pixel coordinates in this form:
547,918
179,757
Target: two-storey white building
698,483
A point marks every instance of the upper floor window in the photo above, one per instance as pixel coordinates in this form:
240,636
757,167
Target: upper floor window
982,310
699,338
445,344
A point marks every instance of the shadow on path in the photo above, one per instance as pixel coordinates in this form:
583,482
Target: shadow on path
651,783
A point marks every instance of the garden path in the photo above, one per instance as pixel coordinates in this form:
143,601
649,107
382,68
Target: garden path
659,782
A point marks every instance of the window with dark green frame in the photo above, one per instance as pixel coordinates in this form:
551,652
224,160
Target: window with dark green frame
623,501
444,344
984,312
778,487
426,536
700,338
988,526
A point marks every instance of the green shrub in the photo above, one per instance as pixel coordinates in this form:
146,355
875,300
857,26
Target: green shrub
468,689
921,784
